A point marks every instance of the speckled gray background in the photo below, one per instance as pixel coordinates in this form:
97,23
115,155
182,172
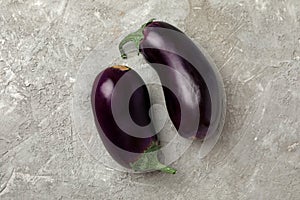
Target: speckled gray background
256,46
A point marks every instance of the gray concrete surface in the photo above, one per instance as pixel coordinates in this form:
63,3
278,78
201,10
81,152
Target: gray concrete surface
256,46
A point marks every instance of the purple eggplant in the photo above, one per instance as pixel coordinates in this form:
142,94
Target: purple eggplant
189,82
133,144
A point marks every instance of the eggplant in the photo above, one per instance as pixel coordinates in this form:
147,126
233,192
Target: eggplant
122,119
190,84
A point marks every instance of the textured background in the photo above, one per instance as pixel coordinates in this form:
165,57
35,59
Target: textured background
256,46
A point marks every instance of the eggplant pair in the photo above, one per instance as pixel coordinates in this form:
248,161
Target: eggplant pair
190,87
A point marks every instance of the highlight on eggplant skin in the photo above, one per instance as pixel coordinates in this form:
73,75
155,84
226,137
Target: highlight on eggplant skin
165,46
137,153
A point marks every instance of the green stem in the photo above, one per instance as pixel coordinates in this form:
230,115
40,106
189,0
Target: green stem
166,169
149,161
135,37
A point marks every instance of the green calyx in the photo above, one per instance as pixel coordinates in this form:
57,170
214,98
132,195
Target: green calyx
149,161
135,37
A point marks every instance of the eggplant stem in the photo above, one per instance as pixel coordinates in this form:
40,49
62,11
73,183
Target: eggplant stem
149,161
135,37
168,170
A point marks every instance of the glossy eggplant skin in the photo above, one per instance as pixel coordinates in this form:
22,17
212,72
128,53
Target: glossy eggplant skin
123,147
130,146
165,46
